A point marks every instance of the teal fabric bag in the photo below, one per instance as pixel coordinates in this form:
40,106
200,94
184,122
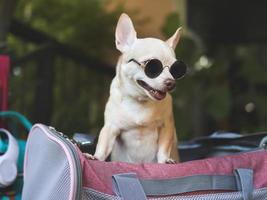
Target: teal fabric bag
14,122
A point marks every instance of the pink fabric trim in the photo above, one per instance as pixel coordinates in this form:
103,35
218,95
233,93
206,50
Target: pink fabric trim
97,174
4,70
72,179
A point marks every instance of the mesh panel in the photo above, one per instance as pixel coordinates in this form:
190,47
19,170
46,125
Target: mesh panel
95,195
257,195
61,185
261,194
47,173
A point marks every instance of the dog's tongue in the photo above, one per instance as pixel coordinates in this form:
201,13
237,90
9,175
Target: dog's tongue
158,94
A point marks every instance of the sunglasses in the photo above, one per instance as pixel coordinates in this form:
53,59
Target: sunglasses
154,67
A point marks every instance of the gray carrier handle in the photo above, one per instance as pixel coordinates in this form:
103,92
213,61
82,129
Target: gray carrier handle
129,187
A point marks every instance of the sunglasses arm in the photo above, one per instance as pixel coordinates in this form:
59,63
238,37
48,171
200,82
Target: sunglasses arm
133,60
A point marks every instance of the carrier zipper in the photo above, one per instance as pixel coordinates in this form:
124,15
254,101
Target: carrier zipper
70,144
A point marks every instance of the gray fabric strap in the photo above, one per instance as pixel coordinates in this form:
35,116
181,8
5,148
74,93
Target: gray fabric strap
128,187
244,179
124,184
189,184
128,184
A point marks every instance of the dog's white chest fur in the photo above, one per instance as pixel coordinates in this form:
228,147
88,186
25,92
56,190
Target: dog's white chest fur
139,122
136,145
132,113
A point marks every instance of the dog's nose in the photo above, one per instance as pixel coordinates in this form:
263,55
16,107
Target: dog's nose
170,84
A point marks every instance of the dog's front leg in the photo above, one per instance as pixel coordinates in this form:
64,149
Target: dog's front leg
167,143
107,137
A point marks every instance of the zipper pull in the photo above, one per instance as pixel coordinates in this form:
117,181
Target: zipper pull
64,136
59,133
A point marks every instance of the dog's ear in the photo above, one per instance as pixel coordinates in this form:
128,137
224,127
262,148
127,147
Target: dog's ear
125,33
173,40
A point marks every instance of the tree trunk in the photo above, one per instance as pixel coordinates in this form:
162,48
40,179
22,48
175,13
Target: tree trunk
7,8
44,88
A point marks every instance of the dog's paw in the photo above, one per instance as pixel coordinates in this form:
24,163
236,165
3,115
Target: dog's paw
89,156
170,161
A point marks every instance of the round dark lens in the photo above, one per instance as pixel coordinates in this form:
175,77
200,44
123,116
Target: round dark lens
153,68
178,69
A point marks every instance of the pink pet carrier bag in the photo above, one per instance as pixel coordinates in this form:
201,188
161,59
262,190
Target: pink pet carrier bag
56,169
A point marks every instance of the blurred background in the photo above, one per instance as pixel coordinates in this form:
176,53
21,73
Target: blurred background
63,59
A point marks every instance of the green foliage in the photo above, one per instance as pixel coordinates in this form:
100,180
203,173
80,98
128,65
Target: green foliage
171,24
214,96
79,94
217,102
79,98
84,24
